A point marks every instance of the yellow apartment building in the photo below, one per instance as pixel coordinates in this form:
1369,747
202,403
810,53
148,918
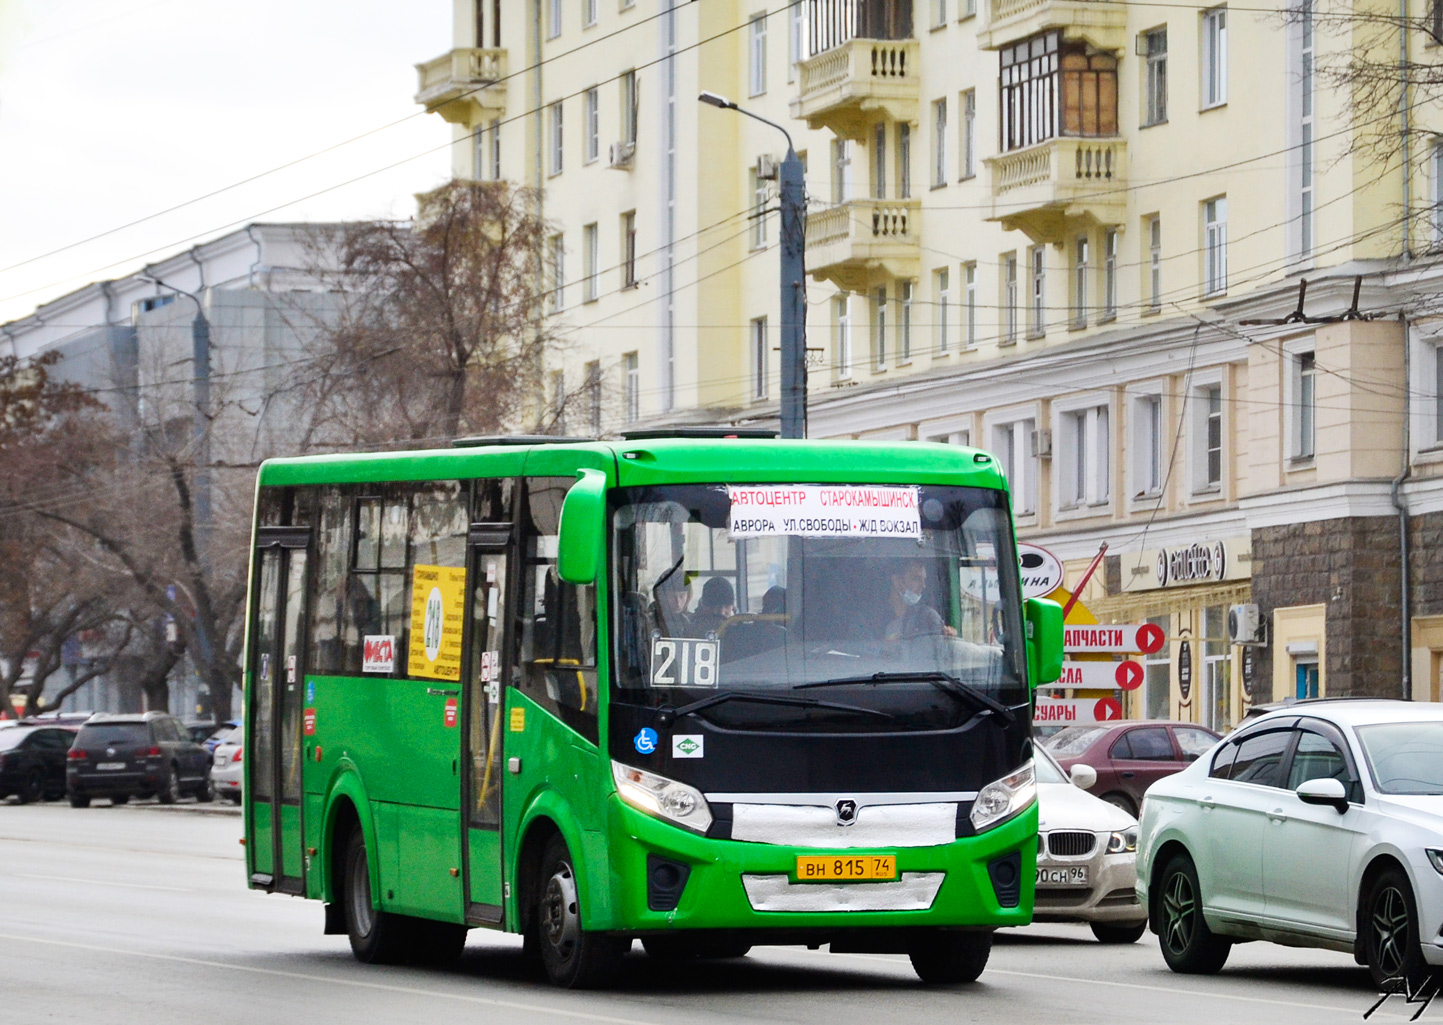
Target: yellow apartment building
1073,232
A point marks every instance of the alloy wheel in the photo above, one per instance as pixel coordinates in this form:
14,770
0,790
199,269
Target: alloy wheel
1179,912
1391,931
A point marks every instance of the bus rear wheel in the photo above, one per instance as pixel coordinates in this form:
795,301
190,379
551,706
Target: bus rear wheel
572,956
943,958
377,937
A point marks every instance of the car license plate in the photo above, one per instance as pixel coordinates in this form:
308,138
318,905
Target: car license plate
1075,875
828,867
111,766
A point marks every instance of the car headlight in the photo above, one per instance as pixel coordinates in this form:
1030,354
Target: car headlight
1000,800
664,798
1124,842
1435,858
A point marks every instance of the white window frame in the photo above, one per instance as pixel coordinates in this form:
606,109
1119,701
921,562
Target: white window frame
880,300
629,113
796,38
759,358
942,309
842,183
593,124
904,161
1214,62
879,160
591,259
757,54
906,307
557,259
1082,454
939,143
1215,246
842,334
1435,164
1300,401
760,195
1199,487
1154,262
553,18
1011,308
1007,433
593,395
481,145
589,13
1036,291
1154,84
952,430
631,371
1149,443
1109,276
1081,279
495,149
939,13
558,138
969,309
967,103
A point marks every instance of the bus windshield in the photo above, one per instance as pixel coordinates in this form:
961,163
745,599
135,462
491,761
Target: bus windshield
830,607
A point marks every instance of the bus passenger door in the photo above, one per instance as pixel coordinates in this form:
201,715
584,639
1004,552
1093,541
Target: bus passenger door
274,773
488,662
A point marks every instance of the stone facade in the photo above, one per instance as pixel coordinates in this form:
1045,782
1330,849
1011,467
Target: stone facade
1425,542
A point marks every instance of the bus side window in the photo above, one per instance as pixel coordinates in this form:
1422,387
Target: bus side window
327,608
557,635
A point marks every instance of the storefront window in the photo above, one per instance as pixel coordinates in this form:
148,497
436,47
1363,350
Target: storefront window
1157,668
1217,709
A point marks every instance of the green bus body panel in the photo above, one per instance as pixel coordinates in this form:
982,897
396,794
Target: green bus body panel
261,842
484,850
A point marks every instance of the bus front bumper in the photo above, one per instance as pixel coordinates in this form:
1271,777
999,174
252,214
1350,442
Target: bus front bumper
738,885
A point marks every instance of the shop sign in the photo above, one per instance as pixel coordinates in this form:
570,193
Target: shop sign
1112,638
1184,670
1250,669
1202,562
1066,711
1041,571
1126,675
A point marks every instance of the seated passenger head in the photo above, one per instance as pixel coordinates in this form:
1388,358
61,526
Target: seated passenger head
774,602
909,580
717,595
673,593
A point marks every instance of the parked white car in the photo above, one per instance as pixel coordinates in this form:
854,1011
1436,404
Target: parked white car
226,768
1317,825
1086,860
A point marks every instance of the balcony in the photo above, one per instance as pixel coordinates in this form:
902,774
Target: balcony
1101,23
855,242
463,86
1049,190
857,83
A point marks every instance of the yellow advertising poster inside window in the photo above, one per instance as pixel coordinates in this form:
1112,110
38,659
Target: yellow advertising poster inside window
438,602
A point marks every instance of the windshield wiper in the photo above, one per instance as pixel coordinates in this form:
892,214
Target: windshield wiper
942,681
665,716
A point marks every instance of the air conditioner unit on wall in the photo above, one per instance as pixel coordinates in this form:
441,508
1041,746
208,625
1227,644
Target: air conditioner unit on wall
766,167
621,154
1245,624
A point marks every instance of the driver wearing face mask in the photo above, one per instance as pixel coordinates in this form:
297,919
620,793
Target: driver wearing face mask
911,617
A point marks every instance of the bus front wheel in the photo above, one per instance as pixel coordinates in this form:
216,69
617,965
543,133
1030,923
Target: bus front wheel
572,956
377,937
947,958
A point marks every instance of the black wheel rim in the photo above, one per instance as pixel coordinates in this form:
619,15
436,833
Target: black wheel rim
1179,912
1392,931
362,915
560,917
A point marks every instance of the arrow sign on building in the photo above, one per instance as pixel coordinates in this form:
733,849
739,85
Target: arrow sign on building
1099,675
1113,639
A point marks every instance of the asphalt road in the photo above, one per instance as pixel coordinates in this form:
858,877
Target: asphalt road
140,914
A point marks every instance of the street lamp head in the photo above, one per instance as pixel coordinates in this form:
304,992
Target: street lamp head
717,101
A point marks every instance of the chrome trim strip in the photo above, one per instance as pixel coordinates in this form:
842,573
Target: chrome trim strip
915,891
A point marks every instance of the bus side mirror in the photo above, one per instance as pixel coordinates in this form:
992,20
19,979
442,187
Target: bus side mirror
583,537
1044,639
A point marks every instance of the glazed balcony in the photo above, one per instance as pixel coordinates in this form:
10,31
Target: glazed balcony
463,86
1101,23
1050,190
858,82
856,242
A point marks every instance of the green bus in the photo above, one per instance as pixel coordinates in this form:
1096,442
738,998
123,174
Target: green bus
704,692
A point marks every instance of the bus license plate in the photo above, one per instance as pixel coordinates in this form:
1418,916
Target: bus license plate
825,867
1074,876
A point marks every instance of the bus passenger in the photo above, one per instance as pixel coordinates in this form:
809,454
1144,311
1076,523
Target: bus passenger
672,596
718,604
910,616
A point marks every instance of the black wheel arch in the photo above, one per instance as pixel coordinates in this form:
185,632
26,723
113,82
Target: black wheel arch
344,821
1169,850
528,867
1379,864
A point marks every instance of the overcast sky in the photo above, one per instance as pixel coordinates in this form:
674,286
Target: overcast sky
114,110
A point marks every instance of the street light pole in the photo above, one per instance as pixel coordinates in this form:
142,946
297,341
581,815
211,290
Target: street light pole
793,275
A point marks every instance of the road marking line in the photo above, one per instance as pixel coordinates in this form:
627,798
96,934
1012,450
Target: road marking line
514,1005
103,882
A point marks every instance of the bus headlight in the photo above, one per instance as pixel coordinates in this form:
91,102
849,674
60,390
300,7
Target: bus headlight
1002,799
664,798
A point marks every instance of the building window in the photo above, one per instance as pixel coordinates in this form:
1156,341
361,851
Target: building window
1013,444
1109,275
879,328
939,13
1304,79
939,143
558,272
1051,88
593,396
969,10
1437,197
1154,86
1305,407
631,367
1080,271
1085,457
628,107
481,145
969,313
1214,57
879,161
1438,394
759,358
968,156
796,31
478,11
553,18
628,249
1037,292
1009,298
558,401
842,313
904,321
591,259
904,161
942,304
759,210
589,15
757,55
1215,246
841,170
1147,445
1208,438
495,134
557,137
1154,263
593,124
1157,675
